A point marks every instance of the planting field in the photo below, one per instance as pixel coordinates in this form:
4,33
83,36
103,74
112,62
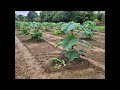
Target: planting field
32,57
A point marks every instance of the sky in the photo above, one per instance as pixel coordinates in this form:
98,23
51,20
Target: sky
24,13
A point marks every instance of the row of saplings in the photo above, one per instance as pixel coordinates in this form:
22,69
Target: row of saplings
35,34
68,43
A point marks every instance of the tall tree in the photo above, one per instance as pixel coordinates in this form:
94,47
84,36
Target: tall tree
21,17
31,15
67,16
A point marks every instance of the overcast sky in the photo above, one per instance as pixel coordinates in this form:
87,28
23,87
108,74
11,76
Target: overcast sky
25,12
38,12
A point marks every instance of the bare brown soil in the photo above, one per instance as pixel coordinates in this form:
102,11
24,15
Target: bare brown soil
21,68
79,69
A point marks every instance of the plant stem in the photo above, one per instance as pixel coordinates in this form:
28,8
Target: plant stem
72,32
68,34
72,47
77,33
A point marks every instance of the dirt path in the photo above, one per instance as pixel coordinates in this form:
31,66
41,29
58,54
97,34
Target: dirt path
21,67
35,70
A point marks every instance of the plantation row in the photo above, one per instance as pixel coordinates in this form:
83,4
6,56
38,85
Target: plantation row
69,42
88,27
43,52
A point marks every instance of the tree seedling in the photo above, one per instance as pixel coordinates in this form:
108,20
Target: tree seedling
58,62
70,41
36,35
24,30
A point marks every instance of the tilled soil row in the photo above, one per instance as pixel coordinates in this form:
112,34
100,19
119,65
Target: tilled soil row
58,38
97,56
97,41
21,68
34,69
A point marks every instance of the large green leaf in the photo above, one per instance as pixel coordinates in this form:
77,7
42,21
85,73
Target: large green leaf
64,26
72,54
69,42
84,42
69,26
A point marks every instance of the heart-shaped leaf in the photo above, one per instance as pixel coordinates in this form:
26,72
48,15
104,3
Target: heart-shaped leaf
72,55
69,42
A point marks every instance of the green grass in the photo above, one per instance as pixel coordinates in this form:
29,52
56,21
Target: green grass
100,27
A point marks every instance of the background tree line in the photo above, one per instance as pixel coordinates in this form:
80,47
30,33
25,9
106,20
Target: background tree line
62,16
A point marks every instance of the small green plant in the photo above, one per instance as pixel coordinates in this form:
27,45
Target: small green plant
88,33
58,25
46,26
17,25
33,25
58,62
58,32
88,28
24,30
36,35
90,25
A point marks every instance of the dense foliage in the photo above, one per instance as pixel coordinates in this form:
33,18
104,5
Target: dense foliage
63,16
31,15
36,35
